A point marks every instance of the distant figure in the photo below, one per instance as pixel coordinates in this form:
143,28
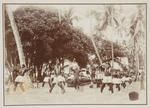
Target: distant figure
75,69
99,78
123,80
117,81
107,80
57,67
76,78
14,74
19,80
93,72
8,78
58,80
46,77
142,79
61,82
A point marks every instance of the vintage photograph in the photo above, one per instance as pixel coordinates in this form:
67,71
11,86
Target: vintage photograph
75,54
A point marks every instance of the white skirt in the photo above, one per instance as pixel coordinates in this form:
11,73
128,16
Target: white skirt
19,79
60,79
123,79
99,76
107,79
46,79
127,79
116,81
54,80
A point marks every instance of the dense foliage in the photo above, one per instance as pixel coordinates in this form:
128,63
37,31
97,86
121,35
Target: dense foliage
44,37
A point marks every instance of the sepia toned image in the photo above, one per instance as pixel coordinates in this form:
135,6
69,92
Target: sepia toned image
75,54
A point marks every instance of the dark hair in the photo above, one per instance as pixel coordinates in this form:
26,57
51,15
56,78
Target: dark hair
87,72
23,65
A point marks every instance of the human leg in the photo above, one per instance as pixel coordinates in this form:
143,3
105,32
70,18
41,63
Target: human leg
52,87
15,85
21,86
102,88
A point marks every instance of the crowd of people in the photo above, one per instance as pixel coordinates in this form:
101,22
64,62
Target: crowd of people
55,75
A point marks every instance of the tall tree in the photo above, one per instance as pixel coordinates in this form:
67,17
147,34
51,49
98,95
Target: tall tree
109,21
137,32
16,35
90,15
44,38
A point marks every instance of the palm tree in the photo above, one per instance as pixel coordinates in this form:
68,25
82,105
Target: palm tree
137,33
16,35
69,16
110,21
92,13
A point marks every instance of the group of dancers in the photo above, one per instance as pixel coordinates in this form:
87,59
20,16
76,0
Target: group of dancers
55,75
113,79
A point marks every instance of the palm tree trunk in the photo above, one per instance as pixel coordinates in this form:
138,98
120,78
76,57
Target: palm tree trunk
96,50
16,36
112,54
142,81
94,45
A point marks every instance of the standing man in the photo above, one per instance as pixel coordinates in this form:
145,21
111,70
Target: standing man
93,76
75,69
76,78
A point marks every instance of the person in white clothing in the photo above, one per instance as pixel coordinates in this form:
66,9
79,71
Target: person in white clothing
123,80
107,80
60,81
46,78
99,76
58,78
19,80
117,81
46,74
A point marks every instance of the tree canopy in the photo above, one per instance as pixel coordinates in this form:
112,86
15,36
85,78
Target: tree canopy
45,38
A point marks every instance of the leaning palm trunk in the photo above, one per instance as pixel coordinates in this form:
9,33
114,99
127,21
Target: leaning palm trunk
27,83
16,36
112,53
96,50
139,33
92,39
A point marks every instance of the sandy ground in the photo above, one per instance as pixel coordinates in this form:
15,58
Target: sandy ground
85,95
